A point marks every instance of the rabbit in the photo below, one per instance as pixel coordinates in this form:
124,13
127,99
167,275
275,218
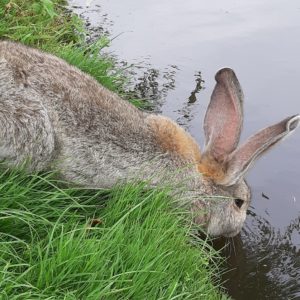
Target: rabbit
58,118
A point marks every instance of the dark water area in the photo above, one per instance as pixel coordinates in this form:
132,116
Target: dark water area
176,47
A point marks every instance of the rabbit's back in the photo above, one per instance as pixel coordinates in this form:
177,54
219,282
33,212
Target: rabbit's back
73,99
94,132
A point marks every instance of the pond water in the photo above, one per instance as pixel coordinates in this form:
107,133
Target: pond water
177,47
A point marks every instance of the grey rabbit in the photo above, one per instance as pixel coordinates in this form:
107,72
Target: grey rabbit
59,118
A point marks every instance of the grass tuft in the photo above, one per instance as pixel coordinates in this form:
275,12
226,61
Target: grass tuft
91,244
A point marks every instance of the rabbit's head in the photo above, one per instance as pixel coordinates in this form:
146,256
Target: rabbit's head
224,163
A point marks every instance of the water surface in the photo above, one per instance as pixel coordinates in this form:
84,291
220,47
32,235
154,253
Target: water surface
178,45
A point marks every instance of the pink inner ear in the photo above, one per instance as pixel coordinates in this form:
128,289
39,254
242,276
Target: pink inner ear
224,116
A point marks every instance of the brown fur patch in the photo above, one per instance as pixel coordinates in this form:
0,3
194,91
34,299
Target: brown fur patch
211,168
172,138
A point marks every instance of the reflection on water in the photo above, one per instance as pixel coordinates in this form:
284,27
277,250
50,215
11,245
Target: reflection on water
263,263
95,29
260,40
153,85
185,113
197,89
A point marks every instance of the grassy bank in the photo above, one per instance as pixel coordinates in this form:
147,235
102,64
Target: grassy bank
62,243
46,24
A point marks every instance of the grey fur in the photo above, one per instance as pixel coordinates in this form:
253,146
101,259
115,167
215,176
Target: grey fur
62,119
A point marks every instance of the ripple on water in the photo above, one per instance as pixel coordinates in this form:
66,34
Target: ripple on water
265,262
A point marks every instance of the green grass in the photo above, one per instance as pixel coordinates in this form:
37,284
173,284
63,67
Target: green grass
62,243
126,243
46,25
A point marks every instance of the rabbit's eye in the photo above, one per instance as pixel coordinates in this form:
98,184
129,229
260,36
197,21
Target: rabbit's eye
239,202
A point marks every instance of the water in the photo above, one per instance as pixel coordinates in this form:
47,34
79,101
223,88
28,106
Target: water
178,45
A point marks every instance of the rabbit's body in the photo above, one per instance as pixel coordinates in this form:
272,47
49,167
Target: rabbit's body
60,118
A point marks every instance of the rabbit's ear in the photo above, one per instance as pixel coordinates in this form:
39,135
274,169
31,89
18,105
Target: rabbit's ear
224,116
243,157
